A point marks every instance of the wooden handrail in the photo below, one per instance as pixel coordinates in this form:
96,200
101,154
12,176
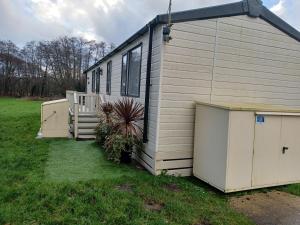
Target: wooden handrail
83,103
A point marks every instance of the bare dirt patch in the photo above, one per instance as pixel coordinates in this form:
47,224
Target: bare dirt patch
125,187
172,187
271,208
153,205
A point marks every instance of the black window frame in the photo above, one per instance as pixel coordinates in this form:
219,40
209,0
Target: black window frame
98,73
93,81
126,76
108,77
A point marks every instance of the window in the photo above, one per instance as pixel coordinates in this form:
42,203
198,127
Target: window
124,75
93,81
108,78
131,72
98,80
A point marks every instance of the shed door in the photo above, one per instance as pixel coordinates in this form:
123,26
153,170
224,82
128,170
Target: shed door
289,164
267,151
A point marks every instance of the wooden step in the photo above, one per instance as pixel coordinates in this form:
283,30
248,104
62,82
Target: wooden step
87,115
87,125
88,119
86,131
86,137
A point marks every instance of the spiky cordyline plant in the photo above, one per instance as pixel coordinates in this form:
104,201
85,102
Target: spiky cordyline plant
128,115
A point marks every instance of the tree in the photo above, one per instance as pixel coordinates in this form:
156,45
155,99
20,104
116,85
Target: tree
47,68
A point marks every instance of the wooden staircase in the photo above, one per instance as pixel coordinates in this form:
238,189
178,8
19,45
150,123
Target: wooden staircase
83,114
86,126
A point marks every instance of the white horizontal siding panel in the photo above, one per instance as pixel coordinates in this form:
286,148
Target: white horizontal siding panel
280,89
201,90
256,80
175,140
258,61
171,111
255,67
255,74
183,51
176,133
256,54
179,119
175,81
192,44
172,148
186,67
194,75
176,154
175,164
256,47
191,28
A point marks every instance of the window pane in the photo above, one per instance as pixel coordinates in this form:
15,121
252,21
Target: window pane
98,81
135,57
124,75
108,78
93,81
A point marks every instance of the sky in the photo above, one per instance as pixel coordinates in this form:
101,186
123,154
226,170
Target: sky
102,20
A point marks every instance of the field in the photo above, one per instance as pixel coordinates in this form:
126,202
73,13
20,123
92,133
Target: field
59,181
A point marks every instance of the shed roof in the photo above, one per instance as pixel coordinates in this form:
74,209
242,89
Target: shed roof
252,8
256,107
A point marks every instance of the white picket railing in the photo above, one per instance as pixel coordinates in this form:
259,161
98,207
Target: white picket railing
82,103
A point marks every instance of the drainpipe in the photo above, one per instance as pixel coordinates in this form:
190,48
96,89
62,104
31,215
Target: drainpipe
148,76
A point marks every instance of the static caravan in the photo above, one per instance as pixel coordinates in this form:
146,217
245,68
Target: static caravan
235,53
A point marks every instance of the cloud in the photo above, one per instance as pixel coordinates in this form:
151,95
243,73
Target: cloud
108,20
289,11
279,8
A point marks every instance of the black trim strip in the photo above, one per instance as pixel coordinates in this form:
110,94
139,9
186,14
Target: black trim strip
280,24
226,10
147,91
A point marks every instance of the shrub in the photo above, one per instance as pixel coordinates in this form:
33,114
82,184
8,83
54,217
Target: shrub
116,145
103,130
120,131
107,109
128,115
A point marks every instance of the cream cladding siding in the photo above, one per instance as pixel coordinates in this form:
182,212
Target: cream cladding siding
147,157
233,59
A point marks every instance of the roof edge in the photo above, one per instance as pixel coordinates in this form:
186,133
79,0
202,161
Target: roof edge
252,8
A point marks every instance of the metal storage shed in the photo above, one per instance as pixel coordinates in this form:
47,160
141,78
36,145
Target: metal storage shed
241,147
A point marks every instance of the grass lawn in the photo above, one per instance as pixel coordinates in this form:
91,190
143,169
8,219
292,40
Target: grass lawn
67,182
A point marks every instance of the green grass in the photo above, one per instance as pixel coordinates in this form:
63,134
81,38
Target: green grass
81,161
292,189
67,182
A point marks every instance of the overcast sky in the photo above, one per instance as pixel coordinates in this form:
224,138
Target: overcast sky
107,20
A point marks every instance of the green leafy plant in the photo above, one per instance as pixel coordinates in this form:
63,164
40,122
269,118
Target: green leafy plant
103,130
117,145
127,132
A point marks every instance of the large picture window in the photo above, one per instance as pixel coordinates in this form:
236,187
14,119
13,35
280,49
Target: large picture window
108,78
93,81
131,72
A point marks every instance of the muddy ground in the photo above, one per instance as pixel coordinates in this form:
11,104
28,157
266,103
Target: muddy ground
272,208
